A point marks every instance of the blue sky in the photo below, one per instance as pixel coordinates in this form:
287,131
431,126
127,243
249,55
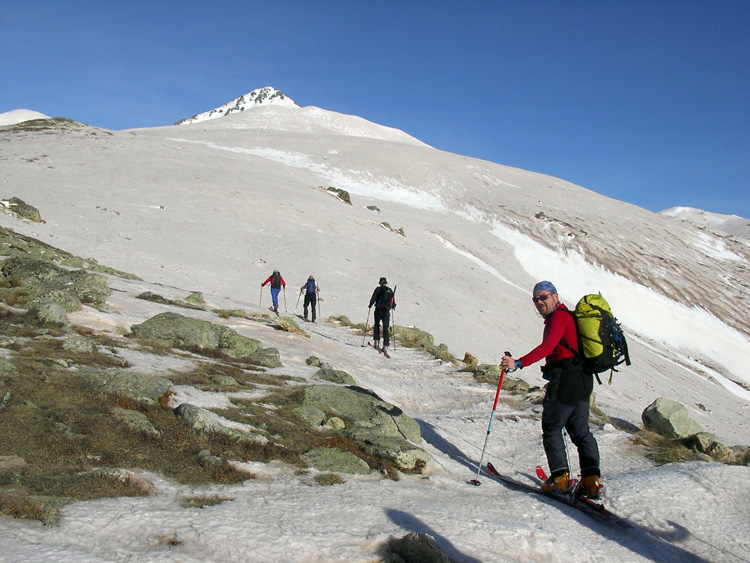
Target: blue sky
643,101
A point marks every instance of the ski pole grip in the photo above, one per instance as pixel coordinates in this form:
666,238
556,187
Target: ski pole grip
510,356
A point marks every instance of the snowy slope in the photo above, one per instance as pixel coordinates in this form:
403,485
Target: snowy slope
243,200
730,224
214,206
681,512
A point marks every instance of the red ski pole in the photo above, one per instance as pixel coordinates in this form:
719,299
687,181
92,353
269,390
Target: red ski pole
476,480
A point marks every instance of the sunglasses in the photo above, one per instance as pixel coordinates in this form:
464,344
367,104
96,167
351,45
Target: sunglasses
541,298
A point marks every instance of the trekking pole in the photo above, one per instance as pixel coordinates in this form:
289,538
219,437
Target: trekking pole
317,300
285,299
565,447
476,480
297,305
393,324
393,328
366,323
260,300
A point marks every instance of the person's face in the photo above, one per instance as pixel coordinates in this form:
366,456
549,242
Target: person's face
545,302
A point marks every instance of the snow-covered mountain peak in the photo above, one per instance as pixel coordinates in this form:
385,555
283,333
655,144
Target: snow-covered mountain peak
19,116
273,111
260,97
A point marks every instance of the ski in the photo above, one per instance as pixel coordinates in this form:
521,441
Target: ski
586,506
380,350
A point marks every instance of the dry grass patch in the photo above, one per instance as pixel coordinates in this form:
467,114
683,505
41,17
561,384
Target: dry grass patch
202,501
662,450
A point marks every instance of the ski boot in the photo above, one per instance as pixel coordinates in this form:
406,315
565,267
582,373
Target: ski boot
559,484
590,487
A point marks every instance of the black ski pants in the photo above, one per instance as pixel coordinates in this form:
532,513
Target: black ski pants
310,301
566,405
385,318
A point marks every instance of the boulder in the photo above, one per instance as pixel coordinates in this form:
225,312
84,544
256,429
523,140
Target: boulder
363,408
335,376
416,548
670,419
313,415
49,313
23,209
335,460
201,421
184,332
135,421
79,345
379,428
145,389
405,455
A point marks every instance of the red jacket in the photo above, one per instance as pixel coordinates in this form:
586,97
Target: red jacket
270,278
556,327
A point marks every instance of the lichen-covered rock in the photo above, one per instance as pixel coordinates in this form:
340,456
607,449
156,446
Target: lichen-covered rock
184,332
200,420
335,460
311,414
335,376
135,421
46,281
363,408
79,345
266,357
670,419
381,429
23,209
405,455
146,389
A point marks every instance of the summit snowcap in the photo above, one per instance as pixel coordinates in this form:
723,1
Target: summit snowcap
260,97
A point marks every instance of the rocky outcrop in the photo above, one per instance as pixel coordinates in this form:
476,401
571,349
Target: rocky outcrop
201,421
380,428
140,388
45,281
179,331
490,373
135,421
23,209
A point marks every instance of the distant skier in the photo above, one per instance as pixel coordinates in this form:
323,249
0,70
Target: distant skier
311,290
384,301
277,282
566,402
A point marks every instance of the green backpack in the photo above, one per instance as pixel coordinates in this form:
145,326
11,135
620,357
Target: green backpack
601,341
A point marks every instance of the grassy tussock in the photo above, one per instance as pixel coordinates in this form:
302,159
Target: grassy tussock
662,450
203,501
327,479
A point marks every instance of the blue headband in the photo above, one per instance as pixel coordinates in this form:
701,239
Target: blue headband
545,286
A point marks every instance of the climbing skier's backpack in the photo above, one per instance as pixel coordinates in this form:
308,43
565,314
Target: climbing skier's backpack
601,342
310,287
385,301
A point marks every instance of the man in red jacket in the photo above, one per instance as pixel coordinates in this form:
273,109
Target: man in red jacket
566,402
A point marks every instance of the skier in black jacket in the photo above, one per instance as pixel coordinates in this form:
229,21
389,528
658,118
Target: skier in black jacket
384,301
